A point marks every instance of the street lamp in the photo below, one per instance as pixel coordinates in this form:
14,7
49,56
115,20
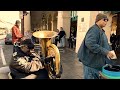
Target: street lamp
24,14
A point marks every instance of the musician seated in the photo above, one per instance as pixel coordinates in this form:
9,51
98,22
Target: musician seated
26,64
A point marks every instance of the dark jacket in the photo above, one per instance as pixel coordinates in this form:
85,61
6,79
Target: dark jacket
113,38
21,64
94,48
61,34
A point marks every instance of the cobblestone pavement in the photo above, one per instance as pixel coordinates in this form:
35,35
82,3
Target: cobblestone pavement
72,68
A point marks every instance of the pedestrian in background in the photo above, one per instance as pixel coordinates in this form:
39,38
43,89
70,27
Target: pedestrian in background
95,50
71,39
16,34
61,36
113,41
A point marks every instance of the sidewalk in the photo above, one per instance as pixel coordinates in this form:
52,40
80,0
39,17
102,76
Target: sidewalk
72,68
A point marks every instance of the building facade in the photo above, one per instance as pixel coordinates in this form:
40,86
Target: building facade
43,20
52,20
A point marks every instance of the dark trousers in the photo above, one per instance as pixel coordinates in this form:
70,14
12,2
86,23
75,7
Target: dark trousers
42,74
71,43
56,40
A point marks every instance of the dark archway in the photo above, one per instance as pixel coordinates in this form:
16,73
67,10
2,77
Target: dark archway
49,22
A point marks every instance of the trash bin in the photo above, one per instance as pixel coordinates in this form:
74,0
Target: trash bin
110,72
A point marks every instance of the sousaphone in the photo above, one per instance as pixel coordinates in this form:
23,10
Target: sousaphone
49,50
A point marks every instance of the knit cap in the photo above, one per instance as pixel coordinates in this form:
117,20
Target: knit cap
100,16
28,42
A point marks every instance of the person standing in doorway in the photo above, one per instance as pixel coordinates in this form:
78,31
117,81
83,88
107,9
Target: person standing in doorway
71,39
113,41
61,36
95,51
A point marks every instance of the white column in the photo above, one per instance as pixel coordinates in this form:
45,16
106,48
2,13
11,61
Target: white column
27,23
82,27
60,19
64,21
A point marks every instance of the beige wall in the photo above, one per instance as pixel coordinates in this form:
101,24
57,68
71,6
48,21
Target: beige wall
9,18
82,27
60,19
93,17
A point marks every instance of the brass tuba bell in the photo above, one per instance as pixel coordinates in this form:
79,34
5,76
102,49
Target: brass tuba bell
49,50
